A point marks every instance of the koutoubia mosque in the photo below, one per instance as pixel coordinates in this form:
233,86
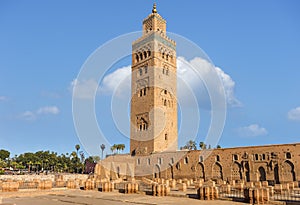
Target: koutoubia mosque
153,133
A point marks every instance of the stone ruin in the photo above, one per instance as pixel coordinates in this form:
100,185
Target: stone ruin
259,192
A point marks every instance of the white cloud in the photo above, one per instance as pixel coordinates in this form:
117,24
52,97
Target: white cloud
294,114
84,89
33,115
3,98
206,76
28,115
48,110
119,81
229,86
252,130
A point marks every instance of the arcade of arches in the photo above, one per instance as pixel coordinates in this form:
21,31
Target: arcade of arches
275,164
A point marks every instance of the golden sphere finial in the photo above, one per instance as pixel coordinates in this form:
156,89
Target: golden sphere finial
154,8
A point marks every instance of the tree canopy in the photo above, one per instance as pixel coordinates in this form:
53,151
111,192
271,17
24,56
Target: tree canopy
4,154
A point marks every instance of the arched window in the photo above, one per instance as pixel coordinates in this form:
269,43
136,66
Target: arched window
141,93
145,91
167,71
165,102
141,56
145,54
178,165
137,57
141,127
166,136
141,71
288,155
149,53
163,55
217,158
167,57
263,156
163,71
186,160
165,91
200,158
160,160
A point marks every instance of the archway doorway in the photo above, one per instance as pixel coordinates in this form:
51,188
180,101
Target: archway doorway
276,174
156,172
236,173
247,172
200,171
169,172
288,171
217,171
262,174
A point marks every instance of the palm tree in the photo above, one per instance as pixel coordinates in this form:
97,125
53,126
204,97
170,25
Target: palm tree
202,145
77,147
117,147
190,145
122,147
73,155
102,148
113,148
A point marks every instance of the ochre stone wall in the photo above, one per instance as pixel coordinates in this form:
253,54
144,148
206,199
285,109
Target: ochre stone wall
272,163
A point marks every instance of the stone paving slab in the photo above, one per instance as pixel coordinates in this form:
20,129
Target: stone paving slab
69,197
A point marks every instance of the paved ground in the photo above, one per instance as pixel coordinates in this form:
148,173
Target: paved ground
69,197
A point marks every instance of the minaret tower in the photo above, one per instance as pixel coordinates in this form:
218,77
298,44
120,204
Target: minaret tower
153,89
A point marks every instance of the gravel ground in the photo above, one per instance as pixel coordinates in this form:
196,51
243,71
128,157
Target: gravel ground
69,197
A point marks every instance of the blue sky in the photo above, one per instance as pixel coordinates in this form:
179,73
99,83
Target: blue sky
44,44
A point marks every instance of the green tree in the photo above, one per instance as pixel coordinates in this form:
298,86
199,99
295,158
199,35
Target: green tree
202,145
96,158
4,154
190,145
113,148
77,147
3,164
218,146
122,147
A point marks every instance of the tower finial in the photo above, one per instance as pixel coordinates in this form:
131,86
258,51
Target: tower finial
154,8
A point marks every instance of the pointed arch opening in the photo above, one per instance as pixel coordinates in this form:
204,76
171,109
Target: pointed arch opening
199,174
236,173
262,174
288,171
156,173
217,172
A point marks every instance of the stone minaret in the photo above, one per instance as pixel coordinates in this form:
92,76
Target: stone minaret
153,87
